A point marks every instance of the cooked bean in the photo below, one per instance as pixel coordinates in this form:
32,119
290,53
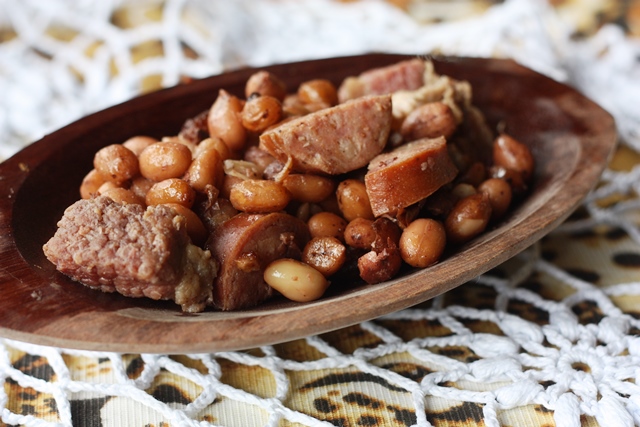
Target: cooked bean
316,106
90,184
205,170
124,196
514,155
330,204
265,83
318,91
164,160
228,182
304,211
224,121
179,140
106,186
140,186
195,227
172,190
261,112
325,254
429,121
327,224
215,144
259,196
116,163
353,200
499,193
468,218
423,242
292,106
309,188
514,178
359,233
462,190
474,175
295,280
139,143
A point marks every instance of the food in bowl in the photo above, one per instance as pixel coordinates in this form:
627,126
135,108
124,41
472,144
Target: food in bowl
270,192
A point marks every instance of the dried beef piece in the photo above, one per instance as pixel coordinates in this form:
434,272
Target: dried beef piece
196,128
124,248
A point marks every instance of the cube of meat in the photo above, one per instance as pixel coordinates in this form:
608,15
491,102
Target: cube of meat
124,248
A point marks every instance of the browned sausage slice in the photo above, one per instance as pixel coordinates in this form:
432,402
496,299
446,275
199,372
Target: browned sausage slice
244,246
404,75
333,140
408,174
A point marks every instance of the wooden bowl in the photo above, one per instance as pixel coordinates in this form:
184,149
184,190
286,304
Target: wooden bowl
571,139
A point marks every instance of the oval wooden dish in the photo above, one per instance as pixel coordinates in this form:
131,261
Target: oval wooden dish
571,139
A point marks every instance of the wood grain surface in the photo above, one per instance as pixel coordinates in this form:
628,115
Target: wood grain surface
570,136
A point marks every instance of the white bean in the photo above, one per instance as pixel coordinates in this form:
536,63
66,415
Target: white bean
295,280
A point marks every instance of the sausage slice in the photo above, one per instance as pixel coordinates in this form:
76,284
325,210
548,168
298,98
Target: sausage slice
408,174
404,75
244,246
333,140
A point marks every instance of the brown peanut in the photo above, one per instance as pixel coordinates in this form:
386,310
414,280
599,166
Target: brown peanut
429,121
259,196
225,122
172,190
90,184
164,160
468,218
116,163
499,193
205,170
309,188
359,233
514,155
327,224
265,83
260,112
353,200
423,242
325,254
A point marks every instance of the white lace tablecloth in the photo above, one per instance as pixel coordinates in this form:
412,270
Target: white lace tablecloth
553,336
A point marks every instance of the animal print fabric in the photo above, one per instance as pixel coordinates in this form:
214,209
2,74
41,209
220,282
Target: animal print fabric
549,338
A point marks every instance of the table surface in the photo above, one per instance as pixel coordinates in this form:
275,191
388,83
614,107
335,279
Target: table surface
551,337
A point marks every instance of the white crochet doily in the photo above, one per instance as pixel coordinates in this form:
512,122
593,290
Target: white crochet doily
49,78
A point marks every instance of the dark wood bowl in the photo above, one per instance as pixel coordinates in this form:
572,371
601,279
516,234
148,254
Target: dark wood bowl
571,139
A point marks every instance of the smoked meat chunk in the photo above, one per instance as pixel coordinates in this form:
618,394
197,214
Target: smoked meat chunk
333,140
124,248
244,246
408,174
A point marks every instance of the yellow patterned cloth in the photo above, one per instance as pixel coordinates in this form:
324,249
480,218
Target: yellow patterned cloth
550,338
